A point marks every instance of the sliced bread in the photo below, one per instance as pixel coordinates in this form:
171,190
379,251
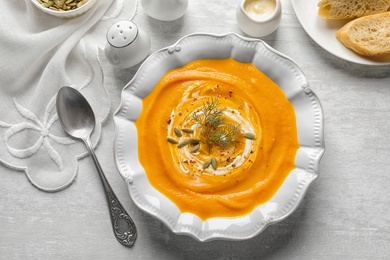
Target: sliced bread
368,35
346,9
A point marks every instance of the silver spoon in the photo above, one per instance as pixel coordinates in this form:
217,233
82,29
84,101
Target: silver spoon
78,120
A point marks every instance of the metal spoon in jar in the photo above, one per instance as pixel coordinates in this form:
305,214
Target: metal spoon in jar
78,120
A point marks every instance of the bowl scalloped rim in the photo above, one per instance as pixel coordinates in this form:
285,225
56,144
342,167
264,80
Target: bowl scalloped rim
283,71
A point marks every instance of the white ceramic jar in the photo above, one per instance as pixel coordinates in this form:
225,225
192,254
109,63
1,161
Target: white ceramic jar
259,18
127,44
165,10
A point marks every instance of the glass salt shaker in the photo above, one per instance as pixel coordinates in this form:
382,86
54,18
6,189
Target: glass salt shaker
165,10
127,44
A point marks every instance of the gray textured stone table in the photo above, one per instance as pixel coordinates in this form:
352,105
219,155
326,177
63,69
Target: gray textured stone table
345,214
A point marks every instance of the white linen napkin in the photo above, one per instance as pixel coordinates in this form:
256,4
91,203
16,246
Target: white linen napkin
39,54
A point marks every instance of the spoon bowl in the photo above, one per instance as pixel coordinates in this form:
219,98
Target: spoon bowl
75,113
78,120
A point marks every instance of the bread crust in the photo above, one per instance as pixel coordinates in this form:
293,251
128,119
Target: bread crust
347,9
368,35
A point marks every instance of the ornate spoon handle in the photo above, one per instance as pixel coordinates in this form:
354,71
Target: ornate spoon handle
122,224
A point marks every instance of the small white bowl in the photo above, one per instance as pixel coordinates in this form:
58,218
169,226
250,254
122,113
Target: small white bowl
258,26
165,10
66,14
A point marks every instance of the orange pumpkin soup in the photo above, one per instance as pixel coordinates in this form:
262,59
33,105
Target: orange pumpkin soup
217,137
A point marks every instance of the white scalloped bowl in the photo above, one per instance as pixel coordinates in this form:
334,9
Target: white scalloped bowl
283,71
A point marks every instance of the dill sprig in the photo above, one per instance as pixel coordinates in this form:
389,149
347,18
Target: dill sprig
214,131
211,115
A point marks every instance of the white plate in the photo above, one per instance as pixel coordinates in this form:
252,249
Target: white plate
278,67
323,32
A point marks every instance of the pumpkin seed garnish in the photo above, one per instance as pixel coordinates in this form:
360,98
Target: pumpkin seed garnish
183,143
214,163
177,132
249,135
195,148
187,141
172,140
193,140
207,163
187,130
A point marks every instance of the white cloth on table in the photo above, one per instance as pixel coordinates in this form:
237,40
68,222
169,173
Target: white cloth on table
39,54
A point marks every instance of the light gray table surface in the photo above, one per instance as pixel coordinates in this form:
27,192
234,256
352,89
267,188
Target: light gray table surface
345,214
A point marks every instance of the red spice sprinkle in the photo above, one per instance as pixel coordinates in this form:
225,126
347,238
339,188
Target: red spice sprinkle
169,121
